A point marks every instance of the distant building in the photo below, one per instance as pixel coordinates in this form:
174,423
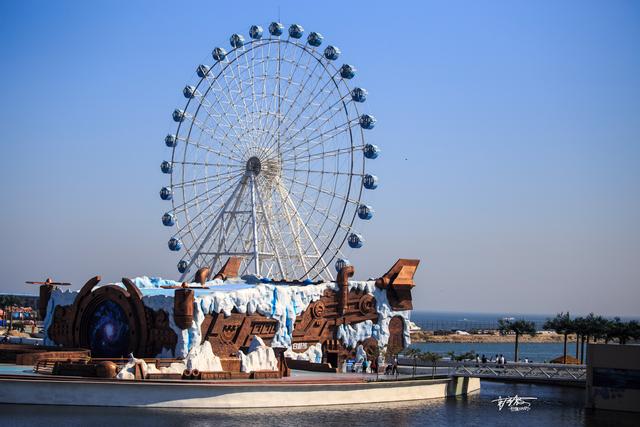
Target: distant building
613,377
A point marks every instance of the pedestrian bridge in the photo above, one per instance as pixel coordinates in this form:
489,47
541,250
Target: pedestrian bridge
551,373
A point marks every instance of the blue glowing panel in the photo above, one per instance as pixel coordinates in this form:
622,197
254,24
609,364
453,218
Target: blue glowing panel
109,331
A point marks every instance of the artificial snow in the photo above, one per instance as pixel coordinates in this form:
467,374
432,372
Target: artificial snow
361,355
201,357
128,370
313,354
355,333
173,368
261,358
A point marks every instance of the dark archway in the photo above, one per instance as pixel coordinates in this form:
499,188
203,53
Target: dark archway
396,333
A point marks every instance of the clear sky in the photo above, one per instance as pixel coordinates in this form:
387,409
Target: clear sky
510,130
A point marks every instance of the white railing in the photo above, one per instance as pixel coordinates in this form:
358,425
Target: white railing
524,371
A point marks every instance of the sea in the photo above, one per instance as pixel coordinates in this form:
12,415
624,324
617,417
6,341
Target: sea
457,321
552,406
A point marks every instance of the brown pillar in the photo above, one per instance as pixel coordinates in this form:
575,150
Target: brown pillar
343,284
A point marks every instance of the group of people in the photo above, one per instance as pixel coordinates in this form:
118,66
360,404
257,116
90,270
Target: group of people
373,366
499,359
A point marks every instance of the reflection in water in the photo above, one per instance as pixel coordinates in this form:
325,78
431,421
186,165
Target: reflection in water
554,406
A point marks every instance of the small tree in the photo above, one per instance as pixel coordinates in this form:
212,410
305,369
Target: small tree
518,327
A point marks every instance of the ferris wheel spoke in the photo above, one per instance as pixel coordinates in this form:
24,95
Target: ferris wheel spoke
331,133
182,184
294,213
217,165
249,119
216,116
294,67
304,109
191,224
321,190
268,143
193,201
220,118
307,125
313,117
324,172
204,129
308,158
277,95
346,228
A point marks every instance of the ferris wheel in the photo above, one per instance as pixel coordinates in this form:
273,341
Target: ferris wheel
268,158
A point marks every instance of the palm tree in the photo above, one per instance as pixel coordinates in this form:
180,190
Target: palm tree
469,355
561,324
581,328
518,327
431,357
413,353
623,331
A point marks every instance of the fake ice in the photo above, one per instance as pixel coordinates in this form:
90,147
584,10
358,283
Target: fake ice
313,354
260,357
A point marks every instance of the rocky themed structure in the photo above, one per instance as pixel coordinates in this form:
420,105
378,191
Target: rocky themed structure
322,322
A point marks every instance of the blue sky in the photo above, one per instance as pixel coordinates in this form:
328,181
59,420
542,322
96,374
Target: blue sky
510,130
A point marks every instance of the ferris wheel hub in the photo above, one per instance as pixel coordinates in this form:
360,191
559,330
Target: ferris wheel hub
254,166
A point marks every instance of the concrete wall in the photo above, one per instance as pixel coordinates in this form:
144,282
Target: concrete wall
613,377
220,395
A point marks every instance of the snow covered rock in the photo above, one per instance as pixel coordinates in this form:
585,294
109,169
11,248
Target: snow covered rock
260,357
360,354
352,334
174,368
201,357
313,354
128,370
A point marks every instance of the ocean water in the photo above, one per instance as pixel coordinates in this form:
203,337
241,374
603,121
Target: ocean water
535,352
554,406
435,320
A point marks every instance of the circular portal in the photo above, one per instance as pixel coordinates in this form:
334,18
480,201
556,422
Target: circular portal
108,331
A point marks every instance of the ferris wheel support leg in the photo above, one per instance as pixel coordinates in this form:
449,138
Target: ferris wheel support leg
288,200
256,257
211,230
296,231
232,217
269,232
